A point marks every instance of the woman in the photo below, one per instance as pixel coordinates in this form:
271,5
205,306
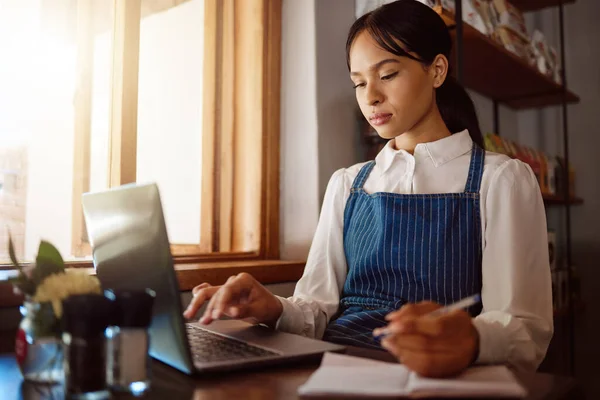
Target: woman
431,220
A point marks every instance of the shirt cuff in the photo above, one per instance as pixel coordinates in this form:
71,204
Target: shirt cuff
292,317
493,346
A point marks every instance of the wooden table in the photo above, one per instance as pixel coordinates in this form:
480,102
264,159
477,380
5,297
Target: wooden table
273,383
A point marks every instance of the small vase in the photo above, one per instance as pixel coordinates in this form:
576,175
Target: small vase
38,347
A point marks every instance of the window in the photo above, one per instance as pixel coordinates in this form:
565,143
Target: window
184,93
169,122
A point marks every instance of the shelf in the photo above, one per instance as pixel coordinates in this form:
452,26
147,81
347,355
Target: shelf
535,5
559,200
495,72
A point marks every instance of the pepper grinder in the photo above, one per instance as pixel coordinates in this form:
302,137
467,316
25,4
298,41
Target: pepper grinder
128,365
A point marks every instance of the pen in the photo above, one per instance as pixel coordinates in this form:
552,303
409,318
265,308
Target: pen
459,305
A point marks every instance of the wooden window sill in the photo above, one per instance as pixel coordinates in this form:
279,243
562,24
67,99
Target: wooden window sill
190,275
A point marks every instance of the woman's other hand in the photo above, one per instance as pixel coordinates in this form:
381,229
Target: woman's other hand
432,346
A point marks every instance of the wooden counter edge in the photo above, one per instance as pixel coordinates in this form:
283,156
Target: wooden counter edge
190,275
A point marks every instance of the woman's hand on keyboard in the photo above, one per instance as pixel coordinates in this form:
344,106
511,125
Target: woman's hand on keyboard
241,297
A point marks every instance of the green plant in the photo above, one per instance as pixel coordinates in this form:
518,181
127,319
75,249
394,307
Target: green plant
48,262
48,281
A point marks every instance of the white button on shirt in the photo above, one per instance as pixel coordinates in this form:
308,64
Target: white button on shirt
516,324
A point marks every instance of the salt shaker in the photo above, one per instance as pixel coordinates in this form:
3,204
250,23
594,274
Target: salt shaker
128,366
85,318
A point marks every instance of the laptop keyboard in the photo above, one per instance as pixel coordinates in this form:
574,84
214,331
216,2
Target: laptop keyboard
210,347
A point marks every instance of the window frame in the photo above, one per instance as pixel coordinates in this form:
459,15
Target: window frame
241,139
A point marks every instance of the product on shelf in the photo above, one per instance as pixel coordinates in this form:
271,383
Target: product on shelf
510,29
524,155
535,166
560,178
495,143
543,177
557,66
489,143
509,145
511,18
545,161
542,54
488,15
546,58
474,12
514,43
505,24
548,170
516,149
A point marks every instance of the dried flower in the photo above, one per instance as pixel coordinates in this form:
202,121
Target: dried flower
57,287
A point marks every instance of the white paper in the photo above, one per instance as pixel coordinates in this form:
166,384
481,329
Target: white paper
354,376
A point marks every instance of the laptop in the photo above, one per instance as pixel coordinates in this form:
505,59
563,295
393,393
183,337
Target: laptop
131,251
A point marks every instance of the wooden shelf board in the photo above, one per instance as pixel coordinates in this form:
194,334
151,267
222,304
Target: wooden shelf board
559,200
535,5
495,72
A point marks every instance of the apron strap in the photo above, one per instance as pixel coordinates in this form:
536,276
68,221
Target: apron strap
362,176
475,170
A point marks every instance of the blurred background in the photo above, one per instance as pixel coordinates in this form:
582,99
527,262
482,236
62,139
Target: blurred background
57,96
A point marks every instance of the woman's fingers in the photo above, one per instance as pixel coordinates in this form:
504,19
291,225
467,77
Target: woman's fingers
416,342
413,310
241,297
445,325
437,345
405,325
199,287
229,298
231,295
200,297
211,313
407,318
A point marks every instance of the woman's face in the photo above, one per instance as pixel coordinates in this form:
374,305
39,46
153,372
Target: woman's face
394,93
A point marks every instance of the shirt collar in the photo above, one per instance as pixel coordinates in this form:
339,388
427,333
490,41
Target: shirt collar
441,151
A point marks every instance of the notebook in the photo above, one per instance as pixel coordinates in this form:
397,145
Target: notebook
353,376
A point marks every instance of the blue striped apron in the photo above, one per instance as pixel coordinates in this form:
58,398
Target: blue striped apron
406,248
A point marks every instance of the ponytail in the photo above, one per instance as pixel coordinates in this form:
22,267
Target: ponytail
457,109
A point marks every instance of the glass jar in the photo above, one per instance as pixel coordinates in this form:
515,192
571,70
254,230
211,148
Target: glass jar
128,363
128,342
85,319
38,347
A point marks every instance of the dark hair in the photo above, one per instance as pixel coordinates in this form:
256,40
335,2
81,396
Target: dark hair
422,32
